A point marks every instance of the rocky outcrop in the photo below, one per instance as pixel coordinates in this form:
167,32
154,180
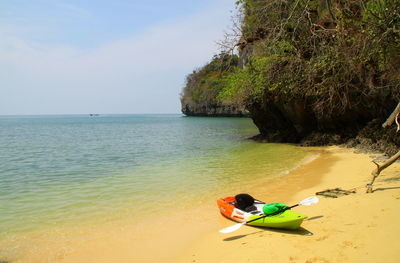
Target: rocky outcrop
296,121
200,95
214,110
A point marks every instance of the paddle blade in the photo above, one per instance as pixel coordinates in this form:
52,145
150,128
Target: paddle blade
230,229
309,201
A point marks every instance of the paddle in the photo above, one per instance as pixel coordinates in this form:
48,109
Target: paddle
308,201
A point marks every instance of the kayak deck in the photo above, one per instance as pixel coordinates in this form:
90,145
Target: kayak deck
285,220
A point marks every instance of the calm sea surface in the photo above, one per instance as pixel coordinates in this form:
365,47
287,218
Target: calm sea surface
71,170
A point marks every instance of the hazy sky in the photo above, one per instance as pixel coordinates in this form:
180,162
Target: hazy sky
119,56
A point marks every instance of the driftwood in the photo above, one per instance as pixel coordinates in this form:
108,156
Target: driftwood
392,118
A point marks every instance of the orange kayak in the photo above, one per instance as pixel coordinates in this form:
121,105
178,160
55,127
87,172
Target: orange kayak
288,219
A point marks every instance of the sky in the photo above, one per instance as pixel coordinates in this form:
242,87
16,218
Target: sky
115,57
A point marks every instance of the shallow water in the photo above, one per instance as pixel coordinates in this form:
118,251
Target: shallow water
62,171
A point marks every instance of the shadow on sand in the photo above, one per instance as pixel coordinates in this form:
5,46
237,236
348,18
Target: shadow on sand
301,232
392,179
386,188
313,218
232,238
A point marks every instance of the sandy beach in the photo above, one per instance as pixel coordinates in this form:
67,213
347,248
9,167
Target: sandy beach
358,227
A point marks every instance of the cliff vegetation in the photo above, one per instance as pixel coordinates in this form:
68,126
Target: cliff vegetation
200,96
315,71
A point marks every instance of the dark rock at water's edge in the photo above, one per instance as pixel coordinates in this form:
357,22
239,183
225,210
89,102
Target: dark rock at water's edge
312,88
214,110
374,138
297,122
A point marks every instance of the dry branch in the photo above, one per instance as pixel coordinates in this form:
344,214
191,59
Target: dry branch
379,169
393,117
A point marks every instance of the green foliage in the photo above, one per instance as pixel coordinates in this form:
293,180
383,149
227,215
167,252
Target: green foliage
204,85
270,71
327,50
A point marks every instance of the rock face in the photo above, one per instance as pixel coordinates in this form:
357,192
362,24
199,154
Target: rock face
200,95
304,85
214,110
296,121
318,79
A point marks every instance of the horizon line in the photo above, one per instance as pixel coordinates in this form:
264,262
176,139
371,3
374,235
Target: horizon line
84,114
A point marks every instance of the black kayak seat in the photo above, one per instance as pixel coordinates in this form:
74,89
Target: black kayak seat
245,202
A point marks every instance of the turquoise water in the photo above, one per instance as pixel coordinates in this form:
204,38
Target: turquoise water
60,170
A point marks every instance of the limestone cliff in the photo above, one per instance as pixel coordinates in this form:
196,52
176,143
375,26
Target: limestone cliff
200,96
215,110
312,72
319,72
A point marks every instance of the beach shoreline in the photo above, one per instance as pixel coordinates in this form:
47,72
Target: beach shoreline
357,227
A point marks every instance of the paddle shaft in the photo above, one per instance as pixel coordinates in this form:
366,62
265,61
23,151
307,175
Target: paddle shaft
275,213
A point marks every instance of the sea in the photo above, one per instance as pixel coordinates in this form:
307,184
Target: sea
61,171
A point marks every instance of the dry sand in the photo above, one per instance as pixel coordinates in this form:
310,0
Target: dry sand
355,228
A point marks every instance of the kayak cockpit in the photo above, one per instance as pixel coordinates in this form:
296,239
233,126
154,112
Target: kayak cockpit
288,219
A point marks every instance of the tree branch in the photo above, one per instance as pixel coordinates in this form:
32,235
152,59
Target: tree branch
379,169
393,117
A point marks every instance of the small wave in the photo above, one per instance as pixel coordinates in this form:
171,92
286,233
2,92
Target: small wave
311,158
305,161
